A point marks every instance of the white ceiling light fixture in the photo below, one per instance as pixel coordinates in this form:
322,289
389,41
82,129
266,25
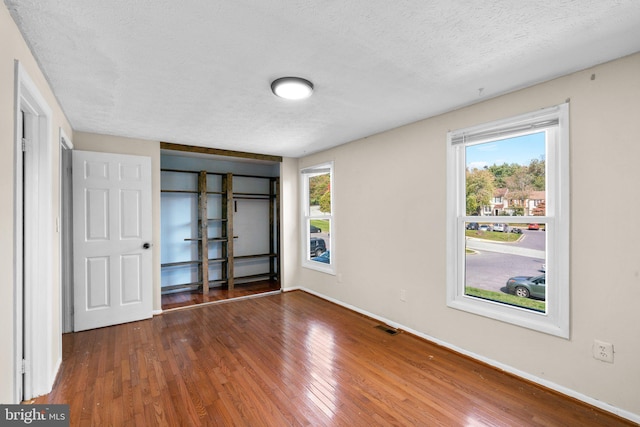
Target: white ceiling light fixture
294,88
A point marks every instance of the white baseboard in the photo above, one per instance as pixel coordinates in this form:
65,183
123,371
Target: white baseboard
540,381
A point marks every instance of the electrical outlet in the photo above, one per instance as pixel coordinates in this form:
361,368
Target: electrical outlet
603,351
403,295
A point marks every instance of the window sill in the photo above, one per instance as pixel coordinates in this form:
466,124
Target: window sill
318,266
540,322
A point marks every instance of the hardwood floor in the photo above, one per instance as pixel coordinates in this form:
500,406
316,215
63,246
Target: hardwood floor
290,359
188,298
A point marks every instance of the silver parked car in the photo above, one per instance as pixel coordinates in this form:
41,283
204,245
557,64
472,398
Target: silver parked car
502,227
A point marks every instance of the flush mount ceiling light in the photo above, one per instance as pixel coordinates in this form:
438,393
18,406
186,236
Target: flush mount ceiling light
292,88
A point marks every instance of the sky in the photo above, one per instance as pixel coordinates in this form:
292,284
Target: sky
520,150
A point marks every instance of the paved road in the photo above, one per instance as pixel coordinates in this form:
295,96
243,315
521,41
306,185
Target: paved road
504,248
532,239
493,263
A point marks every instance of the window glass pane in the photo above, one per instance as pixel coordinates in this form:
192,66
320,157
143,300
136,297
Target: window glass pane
507,176
319,241
505,261
320,194
318,218
506,266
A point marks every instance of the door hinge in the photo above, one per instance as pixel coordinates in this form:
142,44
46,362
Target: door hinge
23,367
24,144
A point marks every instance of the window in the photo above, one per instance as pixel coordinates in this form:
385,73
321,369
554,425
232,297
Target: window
511,262
318,223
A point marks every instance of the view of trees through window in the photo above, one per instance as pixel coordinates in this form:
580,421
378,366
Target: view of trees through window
320,192
521,181
505,256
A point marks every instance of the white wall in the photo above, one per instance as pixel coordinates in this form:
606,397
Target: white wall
389,201
12,48
290,225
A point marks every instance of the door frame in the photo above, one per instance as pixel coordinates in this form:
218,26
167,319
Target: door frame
65,230
33,317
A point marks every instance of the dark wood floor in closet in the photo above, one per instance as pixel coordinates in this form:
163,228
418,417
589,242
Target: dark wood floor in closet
188,298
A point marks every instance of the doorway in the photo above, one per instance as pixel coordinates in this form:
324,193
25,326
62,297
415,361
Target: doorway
66,235
34,346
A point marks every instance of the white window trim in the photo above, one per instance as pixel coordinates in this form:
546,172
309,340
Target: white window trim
305,216
556,320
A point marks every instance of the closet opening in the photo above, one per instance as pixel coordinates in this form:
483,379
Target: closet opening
219,226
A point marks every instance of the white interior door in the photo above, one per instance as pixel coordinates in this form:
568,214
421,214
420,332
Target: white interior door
112,239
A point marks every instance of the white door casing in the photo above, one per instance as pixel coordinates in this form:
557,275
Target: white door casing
112,227
36,352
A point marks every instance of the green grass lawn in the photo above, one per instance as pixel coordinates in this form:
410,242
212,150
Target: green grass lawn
495,236
529,303
322,224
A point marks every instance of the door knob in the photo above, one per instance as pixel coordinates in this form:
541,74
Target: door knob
146,246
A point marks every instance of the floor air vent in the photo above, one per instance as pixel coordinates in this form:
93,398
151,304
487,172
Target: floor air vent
387,329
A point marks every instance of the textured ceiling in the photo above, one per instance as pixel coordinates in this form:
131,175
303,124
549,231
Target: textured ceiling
199,71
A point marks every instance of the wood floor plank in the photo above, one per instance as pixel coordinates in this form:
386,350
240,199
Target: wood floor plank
290,359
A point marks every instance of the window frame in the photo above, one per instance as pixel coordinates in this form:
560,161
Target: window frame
306,218
555,320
